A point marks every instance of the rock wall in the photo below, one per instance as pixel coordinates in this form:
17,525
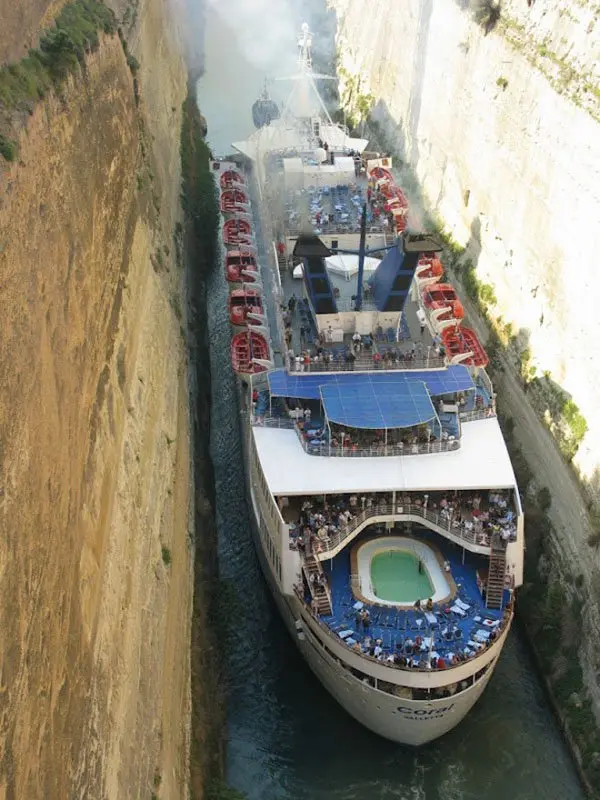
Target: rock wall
95,463
502,132
19,24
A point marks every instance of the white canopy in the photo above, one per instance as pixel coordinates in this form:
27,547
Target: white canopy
344,265
482,462
347,265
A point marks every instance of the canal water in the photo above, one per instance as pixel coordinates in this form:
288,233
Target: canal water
288,740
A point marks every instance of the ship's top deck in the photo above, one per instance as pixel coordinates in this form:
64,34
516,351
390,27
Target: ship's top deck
481,462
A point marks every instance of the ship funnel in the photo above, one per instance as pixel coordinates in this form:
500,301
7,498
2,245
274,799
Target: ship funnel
313,253
394,275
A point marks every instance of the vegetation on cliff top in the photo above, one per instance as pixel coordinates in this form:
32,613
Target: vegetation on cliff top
61,51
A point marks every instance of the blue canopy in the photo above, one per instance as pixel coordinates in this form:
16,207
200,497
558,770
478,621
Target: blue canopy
384,405
306,386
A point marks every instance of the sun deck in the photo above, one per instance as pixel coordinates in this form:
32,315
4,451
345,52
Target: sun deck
481,462
460,626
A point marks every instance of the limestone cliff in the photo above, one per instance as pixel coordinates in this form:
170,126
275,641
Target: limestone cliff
20,22
502,132
95,474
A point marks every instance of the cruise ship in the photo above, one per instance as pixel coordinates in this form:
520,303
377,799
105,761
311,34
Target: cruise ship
387,516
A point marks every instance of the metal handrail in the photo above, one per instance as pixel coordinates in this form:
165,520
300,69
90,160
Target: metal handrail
324,449
477,413
401,510
362,364
379,451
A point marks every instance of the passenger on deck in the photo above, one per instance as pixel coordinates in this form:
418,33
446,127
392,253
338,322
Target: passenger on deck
366,618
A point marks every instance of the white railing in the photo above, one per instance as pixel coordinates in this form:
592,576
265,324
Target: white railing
484,378
374,451
331,545
367,364
274,422
477,413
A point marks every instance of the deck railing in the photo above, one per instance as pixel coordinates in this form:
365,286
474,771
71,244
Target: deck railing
378,451
374,451
325,547
477,413
365,364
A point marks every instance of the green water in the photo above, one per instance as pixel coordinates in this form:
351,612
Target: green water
395,577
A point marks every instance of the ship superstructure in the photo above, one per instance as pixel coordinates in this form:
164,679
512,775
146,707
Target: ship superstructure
388,518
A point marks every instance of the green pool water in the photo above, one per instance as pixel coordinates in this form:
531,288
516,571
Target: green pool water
395,577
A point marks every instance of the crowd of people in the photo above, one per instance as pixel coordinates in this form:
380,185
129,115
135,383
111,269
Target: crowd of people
320,519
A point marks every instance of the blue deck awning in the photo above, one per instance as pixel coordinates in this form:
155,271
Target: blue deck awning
384,405
307,386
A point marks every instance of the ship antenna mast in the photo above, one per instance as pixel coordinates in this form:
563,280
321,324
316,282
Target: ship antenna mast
305,49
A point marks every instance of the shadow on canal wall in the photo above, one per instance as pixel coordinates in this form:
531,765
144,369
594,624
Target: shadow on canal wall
199,199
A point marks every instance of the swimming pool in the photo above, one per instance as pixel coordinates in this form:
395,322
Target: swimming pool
400,577
388,573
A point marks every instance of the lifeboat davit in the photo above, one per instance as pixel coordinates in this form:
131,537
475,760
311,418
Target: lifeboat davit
377,173
442,301
246,347
233,200
463,347
232,178
246,308
241,267
429,270
237,231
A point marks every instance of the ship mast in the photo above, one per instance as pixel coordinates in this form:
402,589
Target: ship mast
305,49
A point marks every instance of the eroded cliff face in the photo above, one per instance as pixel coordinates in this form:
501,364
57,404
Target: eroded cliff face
95,477
502,133
20,22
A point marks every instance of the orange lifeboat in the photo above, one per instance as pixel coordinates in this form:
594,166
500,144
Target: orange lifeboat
247,346
395,197
233,200
237,231
232,178
240,267
442,298
429,270
377,173
243,304
458,341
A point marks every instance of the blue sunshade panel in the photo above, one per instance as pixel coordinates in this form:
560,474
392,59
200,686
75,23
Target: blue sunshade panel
364,405
308,386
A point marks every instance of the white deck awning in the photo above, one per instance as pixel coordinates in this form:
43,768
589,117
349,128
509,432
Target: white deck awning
482,462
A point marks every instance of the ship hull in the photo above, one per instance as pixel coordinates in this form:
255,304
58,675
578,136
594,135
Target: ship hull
398,719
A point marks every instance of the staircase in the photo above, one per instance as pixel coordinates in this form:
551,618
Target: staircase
281,261
320,594
497,571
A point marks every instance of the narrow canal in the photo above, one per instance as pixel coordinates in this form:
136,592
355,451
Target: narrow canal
288,740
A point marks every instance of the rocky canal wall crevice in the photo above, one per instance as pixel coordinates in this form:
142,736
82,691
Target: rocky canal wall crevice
96,461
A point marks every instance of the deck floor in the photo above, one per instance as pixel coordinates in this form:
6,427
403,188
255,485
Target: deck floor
393,627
